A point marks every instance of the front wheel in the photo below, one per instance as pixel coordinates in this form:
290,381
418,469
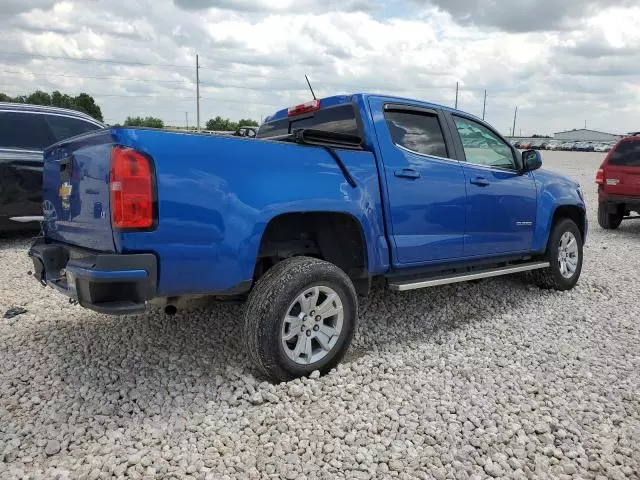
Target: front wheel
300,317
564,253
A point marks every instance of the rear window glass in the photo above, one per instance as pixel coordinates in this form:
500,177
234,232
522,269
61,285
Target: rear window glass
66,127
340,119
417,132
626,153
24,130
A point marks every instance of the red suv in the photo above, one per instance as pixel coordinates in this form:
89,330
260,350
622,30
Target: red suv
618,182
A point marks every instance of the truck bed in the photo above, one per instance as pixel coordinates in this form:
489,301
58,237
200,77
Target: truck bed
215,195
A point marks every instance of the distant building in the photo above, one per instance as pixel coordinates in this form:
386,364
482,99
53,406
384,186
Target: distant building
584,135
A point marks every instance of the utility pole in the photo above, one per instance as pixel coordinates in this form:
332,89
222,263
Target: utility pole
186,117
456,95
484,106
513,131
197,93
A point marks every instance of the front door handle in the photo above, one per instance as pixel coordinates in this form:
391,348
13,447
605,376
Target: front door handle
480,181
407,173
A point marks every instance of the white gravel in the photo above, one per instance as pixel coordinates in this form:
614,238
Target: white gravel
495,379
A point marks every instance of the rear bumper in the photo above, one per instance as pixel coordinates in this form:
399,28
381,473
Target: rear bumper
613,201
108,283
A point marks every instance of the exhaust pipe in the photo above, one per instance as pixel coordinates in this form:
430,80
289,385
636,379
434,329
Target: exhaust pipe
170,310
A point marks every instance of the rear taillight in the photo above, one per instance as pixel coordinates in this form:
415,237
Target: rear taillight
131,188
312,106
600,177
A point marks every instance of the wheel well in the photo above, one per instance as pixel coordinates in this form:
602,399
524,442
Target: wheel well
334,237
572,212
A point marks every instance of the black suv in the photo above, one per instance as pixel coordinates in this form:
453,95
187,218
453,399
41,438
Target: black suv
25,131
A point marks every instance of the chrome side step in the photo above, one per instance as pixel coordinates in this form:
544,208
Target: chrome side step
403,285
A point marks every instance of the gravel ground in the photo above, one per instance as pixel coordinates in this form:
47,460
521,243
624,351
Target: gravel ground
494,379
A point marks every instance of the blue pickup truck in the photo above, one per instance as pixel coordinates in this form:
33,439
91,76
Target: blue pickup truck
333,195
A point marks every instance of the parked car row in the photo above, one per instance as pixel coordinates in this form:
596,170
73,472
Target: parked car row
547,144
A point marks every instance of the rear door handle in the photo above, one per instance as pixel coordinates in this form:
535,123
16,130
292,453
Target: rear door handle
480,181
407,173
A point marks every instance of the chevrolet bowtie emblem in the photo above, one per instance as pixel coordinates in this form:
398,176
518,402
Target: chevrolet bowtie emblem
65,193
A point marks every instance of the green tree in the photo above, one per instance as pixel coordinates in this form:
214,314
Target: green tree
39,98
82,103
217,123
225,124
60,100
152,122
85,103
247,122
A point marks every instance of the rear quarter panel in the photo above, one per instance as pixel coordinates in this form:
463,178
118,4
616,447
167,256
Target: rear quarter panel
217,194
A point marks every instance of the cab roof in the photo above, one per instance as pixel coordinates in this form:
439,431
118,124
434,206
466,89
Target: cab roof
342,99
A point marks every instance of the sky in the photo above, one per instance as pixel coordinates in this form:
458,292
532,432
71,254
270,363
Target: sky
563,63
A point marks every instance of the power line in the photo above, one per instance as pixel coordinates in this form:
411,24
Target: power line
112,77
147,80
94,60
177,98
218,69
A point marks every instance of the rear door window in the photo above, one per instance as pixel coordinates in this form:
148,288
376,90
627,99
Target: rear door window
626,153
65,127
418,132
24,130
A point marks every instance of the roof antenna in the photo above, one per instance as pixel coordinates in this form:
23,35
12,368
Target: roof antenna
310,88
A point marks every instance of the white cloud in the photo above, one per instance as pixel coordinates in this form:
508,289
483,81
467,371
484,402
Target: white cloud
254,63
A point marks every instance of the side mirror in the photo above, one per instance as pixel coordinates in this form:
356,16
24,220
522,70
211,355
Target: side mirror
531,160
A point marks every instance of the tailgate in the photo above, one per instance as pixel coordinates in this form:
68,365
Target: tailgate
627,177
76,191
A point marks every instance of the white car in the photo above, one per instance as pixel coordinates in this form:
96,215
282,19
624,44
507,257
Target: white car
602,147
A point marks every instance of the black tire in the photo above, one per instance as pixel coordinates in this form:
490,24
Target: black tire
608,221
552,277
267,306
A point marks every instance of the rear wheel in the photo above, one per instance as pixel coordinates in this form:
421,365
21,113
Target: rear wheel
300,317
564,253
608,221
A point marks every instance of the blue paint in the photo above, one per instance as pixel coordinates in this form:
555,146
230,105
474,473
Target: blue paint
553,190
216,195
501,214
87,221
426,214
212,213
